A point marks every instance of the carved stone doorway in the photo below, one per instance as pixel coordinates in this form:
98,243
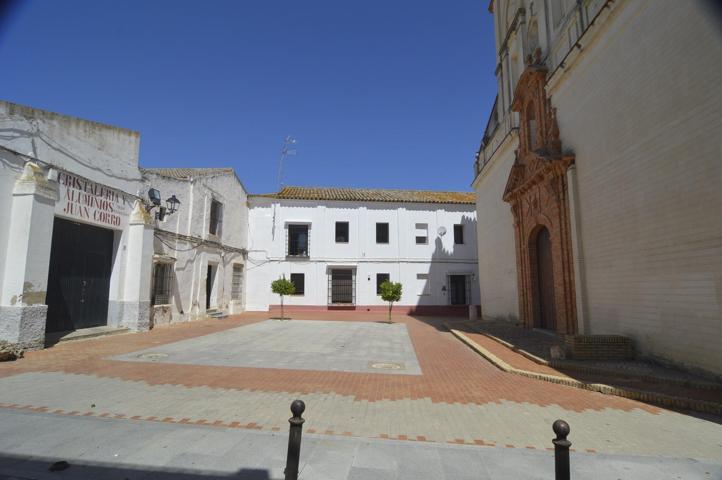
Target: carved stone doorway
537,193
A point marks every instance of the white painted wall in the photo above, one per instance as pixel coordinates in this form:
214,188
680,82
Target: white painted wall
104,156
192,257
496,245
401,257
639,105
641,110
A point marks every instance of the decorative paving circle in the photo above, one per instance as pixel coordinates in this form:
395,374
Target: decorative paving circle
387,366
153,356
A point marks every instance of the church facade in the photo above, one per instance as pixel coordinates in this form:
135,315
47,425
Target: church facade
597,179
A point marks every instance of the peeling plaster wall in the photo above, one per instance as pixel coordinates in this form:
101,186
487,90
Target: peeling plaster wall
90,151
101,153
191,260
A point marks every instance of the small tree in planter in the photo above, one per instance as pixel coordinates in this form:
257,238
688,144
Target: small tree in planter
390,292
283,287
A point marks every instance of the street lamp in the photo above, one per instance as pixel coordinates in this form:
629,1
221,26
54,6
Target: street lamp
155,200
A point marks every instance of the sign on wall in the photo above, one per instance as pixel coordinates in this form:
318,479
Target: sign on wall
91,202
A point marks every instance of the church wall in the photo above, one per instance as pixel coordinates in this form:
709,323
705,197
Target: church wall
640,108
495,234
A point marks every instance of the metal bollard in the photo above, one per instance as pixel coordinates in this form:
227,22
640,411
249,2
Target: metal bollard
561,450
294,440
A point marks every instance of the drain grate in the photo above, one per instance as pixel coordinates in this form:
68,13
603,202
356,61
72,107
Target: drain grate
387,366
153,356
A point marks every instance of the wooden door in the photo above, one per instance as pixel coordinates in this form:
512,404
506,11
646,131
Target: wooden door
79,276
457,290
546,312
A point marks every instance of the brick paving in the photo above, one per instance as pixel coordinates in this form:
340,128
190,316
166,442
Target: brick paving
636,375
458,398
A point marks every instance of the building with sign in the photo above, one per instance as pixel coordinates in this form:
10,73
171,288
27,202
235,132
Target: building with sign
77,247
199,252
598,177
337,245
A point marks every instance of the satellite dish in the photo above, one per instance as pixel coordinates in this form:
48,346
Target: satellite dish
442,231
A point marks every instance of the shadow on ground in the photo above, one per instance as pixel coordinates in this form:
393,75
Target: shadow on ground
20,467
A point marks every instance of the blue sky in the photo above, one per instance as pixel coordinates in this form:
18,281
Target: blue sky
378,93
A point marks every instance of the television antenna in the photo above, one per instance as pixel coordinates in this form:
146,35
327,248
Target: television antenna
285,152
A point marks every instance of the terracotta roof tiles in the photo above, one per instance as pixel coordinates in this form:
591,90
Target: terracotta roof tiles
372,195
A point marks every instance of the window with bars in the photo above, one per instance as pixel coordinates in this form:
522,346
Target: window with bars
458,234
299,282
382,233
342,287
162,279
237,282
381,278
297,241
214,228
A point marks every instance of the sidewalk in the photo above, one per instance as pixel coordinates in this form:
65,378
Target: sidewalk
105,448
526,352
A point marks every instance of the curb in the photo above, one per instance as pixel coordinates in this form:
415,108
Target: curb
659,399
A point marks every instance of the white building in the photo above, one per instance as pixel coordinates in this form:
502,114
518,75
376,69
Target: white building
598,178
77,242
199,251
337,245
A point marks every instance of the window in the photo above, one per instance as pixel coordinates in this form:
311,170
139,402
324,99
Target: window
458,234
299,281
531,126
382,233
341,232
423,279
162,283
297,245
214,227
422,233
237,282
381,278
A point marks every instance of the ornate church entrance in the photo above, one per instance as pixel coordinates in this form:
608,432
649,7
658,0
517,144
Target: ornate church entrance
537,192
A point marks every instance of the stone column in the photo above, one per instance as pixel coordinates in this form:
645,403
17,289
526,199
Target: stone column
27,259
138,270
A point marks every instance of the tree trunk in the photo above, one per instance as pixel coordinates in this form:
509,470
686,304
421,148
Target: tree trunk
391,304
281,307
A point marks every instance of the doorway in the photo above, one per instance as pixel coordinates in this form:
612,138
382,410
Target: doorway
457,290
210,281
342,288
545,310
81,259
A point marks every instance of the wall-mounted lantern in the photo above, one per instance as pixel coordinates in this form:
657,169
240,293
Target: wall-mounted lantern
155,201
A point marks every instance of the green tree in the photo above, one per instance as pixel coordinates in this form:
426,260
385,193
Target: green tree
390,292
283,287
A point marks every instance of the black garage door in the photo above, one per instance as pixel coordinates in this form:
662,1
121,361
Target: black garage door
79,281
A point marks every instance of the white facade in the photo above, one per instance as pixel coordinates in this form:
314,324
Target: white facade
59,172
636,88
423,269
185,242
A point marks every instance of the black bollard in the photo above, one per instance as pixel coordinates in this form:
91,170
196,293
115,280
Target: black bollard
561,450
294,440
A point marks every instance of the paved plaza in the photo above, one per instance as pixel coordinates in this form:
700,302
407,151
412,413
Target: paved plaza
401,400
299,345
